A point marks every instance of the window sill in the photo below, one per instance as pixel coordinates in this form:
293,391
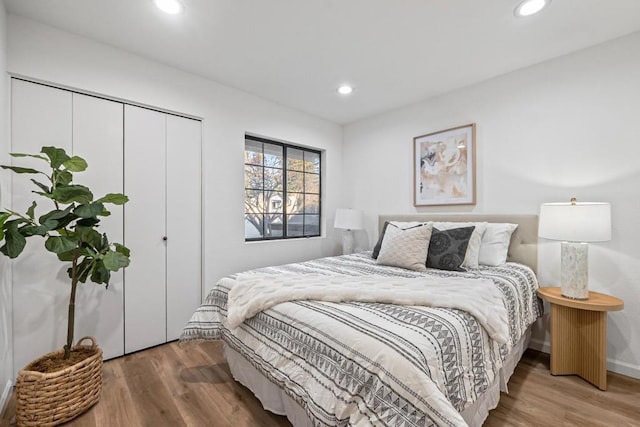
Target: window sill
299,239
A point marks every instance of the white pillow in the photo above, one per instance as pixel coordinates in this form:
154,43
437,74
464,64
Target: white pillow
405,248
471,257
495,243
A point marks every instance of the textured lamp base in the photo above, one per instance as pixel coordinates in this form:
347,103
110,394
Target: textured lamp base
347,242
574,275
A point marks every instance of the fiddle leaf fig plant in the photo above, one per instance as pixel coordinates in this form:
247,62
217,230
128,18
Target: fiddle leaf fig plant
70,229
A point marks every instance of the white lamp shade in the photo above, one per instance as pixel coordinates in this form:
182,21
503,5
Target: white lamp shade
348,219
575,222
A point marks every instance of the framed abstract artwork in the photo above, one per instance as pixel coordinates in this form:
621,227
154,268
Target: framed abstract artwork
444,167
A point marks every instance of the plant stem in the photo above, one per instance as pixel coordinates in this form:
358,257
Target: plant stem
72,305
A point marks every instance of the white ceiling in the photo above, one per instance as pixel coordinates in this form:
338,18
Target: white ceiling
296,52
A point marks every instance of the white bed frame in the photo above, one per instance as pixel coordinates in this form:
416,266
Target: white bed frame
523,249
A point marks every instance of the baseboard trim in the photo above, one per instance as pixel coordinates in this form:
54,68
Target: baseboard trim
613,365
4,398
542,346
623,368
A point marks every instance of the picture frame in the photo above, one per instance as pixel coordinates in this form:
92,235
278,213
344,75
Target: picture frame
444,167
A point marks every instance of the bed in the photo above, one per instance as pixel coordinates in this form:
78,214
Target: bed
355,362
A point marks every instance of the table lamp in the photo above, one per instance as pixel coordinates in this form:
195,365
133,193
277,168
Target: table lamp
348,220
575,224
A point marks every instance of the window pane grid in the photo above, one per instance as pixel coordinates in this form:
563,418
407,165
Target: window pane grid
282,190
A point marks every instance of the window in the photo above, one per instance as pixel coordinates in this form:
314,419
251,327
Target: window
281,190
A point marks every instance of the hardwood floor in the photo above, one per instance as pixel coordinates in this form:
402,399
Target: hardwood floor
536,398
191,386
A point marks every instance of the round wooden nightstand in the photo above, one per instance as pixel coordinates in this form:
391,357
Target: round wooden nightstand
579,334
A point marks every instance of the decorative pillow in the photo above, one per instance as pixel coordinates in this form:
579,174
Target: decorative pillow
402,225
473,249
447,248
376,248
495,243
405,248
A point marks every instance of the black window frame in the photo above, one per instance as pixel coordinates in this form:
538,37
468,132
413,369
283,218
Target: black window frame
285,168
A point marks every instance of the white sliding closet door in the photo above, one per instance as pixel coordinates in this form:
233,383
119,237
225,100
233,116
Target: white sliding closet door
97,137
154,158
145,228
183,222
40,116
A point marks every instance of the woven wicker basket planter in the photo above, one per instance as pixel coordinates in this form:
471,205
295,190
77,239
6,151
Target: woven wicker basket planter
54,398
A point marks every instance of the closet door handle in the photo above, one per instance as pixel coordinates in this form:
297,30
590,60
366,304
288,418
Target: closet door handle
164,238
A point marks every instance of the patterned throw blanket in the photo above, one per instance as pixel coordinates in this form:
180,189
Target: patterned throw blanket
360,364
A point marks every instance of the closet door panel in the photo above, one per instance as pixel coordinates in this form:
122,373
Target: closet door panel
41,116
98,138
183,222
145,278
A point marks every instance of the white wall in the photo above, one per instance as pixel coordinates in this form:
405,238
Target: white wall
563,128
45,53
6,355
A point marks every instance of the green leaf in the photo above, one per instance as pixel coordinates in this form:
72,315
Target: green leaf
122,249
41,186
34,230
83,269
88,222
47,195
60,244
75,164
18,169
90,236
62,178
114,261
14,222
89,210
114,198
50,224
32,209
3,217
73,193
14,242
60,224
57,156
68,256
99,273
55,214
57,219
104,243
35,156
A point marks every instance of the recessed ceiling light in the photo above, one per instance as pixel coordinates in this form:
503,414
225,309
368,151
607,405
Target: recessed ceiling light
172,7
530,7
345,89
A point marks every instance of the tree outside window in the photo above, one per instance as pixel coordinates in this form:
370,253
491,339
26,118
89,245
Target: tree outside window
282,190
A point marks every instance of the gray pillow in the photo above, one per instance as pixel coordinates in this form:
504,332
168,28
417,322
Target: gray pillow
447,248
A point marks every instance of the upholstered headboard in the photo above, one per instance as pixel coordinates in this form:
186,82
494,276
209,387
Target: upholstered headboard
524,241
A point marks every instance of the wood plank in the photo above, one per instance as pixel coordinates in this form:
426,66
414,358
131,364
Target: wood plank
191,385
